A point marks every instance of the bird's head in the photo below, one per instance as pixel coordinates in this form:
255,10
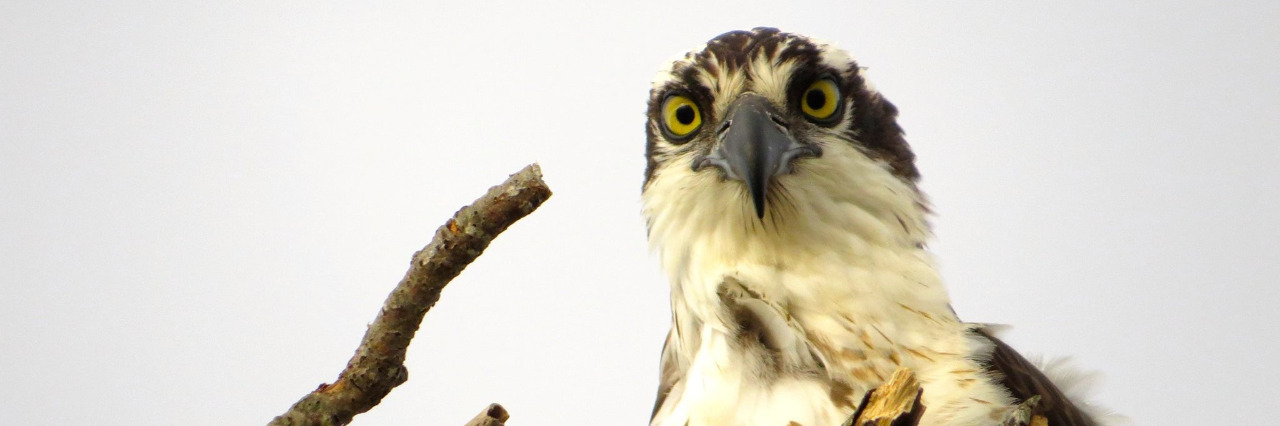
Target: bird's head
764,129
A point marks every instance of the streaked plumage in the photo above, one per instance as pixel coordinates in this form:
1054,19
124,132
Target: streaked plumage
781,197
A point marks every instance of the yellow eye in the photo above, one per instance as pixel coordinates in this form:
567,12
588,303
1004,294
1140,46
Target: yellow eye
820,99
681,115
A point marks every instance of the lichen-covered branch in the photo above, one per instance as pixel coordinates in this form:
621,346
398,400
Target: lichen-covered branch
378,364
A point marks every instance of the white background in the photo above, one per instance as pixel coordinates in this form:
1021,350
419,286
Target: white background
203,204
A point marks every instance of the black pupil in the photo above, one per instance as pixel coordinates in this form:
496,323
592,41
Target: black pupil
815,99
684,114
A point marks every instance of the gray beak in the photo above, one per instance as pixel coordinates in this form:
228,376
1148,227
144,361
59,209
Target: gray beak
753,145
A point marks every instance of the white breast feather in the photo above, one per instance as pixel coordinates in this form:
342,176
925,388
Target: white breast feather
844,261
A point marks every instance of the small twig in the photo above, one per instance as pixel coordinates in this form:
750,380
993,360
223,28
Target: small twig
1024,414
378,364
894,403
494,415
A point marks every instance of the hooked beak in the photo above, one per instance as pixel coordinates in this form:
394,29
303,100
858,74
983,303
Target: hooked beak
753,145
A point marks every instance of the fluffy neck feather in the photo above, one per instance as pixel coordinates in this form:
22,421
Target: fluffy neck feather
841,254
843,204
842,219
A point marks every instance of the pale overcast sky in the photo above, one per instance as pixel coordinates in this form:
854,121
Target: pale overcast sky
203,204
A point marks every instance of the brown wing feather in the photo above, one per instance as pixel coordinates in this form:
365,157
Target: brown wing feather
1024,380
670,374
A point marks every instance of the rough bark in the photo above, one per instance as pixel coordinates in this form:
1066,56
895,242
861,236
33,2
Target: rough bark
378,364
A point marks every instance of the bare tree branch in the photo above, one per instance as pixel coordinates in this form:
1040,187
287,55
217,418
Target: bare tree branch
378,364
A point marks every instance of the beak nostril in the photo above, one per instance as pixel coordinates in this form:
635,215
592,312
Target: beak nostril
724,127
779,121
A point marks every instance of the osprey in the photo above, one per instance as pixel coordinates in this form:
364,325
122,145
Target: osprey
782,200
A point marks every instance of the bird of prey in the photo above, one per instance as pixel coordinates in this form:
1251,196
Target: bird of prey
781,198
